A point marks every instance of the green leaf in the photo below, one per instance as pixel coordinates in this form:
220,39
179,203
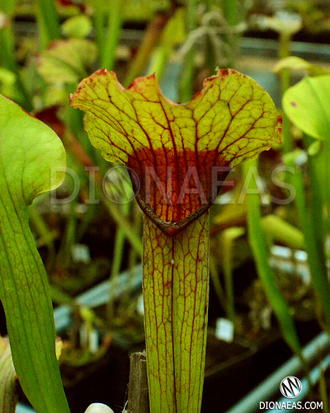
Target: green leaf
281,231
314,148
77,26
8,6
295,63
8,387
307,104
7,82
32,161
67,60
259,248
48,21
174,25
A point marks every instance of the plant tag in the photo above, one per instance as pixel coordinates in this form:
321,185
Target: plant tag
224,330
140,305
93,341
98,408
80,253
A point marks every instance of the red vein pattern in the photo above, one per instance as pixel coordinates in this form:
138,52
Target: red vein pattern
174,148
180,153
175,286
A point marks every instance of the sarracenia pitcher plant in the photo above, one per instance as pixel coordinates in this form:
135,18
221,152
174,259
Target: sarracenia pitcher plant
178,156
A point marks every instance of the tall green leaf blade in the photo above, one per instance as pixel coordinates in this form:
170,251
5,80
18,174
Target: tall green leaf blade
265,272
48,21
32,161
307,104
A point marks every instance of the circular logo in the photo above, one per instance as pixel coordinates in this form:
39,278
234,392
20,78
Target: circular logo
117,184
290,387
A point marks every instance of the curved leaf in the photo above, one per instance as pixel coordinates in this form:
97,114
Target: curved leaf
307,104
30,154
67,60
295,63
77,26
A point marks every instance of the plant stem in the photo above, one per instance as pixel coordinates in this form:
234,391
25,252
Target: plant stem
282,231
266,274
123,223
118,253
324,393
315,254
150,41
186,87
230,10
284,51
69,238
24,292
84,160
119,245
214,275
138,401
108,52
176,287
44,232
8,61
159,61
99,23
48,22
319,171
229,236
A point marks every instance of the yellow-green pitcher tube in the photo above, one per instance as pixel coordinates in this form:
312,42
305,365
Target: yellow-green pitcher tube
176,290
